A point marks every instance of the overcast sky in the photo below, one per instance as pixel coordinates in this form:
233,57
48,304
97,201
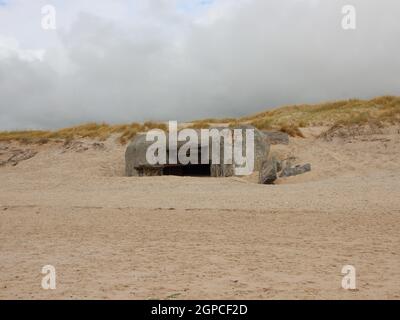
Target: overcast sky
134,60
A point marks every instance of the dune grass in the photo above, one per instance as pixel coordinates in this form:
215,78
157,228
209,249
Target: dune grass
353,111
101,132
289,119
203,124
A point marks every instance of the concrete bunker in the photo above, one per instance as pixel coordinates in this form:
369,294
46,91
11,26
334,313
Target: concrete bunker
136,163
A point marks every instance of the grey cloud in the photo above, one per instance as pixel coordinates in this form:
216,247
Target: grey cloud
266,54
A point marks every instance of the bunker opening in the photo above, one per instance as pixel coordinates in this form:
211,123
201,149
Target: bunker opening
188,170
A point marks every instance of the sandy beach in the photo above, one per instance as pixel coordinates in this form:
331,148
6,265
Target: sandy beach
114,237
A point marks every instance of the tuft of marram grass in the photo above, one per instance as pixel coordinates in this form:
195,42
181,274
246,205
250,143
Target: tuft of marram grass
292,130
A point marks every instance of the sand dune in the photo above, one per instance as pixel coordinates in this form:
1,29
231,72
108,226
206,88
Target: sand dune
110,236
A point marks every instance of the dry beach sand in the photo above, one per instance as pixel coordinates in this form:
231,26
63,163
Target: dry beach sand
113,237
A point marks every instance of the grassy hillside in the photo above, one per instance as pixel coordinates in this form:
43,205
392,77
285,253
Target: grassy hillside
381,110
103,131
352,111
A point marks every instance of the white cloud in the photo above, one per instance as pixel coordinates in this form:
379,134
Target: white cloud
10,48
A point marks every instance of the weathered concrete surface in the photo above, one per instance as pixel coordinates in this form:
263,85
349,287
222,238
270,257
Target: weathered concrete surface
269,172
135,156
137,165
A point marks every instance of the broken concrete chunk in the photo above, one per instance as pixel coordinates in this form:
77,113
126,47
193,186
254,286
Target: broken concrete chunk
268,173
294,171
